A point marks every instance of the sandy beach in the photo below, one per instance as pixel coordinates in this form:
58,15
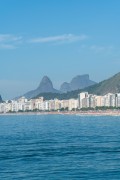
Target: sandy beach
78,113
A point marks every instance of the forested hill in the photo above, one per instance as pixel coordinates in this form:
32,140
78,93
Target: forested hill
111,85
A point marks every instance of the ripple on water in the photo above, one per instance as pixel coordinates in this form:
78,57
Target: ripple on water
59,147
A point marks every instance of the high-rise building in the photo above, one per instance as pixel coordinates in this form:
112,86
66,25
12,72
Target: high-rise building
81,99
117,97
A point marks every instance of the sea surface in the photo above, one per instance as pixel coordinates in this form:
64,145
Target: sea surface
59,147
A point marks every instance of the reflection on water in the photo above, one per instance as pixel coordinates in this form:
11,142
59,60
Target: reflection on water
59,147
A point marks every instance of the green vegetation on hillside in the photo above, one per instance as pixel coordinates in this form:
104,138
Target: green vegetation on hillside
111,85
48,96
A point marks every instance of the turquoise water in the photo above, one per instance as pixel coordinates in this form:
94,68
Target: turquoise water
59,147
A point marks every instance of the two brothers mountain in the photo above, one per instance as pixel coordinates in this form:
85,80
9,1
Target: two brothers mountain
46,85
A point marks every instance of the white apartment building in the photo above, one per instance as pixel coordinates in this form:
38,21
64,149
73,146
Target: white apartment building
64,104
14,105
81,99
51,105
2,107
98,101
45,105
117,97
108,100
84,100
73,104
92,101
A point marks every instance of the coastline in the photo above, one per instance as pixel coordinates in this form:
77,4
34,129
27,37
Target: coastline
77,113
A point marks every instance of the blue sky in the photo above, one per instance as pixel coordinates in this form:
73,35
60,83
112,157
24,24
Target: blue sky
58,38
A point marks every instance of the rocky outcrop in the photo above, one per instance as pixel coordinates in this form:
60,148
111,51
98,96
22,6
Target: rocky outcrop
78,82
45,86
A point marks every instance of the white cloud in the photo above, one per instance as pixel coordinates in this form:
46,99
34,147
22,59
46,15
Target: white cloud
98,49
7,46
8,41
9,38
59,38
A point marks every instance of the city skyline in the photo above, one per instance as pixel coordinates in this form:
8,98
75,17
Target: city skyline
58,39
84,101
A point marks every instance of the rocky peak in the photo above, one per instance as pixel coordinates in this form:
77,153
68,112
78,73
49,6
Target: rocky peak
65,87
1,99
45,84
78,82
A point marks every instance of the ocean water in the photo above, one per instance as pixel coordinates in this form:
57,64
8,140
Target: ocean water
59,147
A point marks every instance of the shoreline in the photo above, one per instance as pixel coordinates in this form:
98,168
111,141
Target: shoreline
77,113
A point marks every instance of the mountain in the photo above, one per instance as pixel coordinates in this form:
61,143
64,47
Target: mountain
78,82
1,99
45,86
45,89
111,85
65,87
